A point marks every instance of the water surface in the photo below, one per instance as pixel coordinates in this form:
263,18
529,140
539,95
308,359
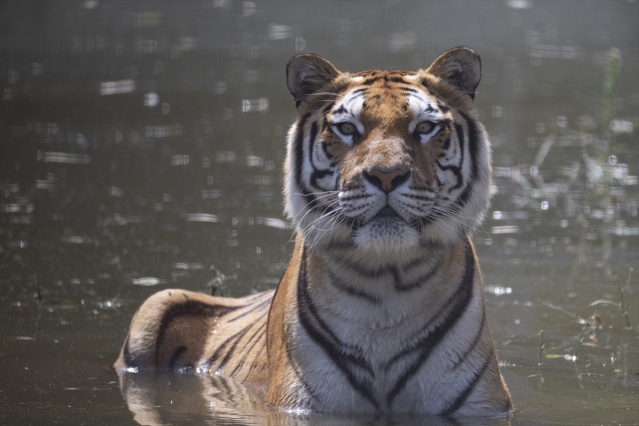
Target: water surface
141,145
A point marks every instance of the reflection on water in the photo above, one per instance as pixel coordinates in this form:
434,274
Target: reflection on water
162,400
141,146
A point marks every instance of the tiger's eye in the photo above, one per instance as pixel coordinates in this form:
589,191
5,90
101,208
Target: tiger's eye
425,127
347,128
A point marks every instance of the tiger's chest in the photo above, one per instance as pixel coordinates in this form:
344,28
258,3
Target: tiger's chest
376,371
375,351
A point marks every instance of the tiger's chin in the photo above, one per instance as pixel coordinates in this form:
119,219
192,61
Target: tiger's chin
386,236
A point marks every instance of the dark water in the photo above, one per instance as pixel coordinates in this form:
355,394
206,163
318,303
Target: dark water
141,145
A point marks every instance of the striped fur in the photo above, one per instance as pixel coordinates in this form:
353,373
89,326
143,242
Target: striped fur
185,331
381,307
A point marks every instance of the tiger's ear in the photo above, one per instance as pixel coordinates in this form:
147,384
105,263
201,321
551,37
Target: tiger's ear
459,66
307,73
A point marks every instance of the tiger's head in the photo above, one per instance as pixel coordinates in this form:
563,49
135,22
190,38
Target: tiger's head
385,160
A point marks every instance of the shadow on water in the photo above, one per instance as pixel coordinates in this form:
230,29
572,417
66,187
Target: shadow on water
141,146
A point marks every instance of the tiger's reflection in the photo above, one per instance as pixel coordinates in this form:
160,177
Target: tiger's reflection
169,399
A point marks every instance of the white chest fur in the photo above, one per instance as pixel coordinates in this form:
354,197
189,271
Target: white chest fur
363,345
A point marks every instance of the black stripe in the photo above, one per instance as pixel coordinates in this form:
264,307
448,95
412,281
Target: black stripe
254,308
255,338
461,398
422,279
176,356
340,110
257,296
299,147
306,306
311,143
355,266
460,300
337,351
425,82
420,260
339,284
126,352
429,109
461,138
407,89
326,153
446,145
299,150
456,171
317,172
227,391
299,163
328,107
420,342
473,344
291,359
190,308
235,339
341,253
473,147
439,182
371,81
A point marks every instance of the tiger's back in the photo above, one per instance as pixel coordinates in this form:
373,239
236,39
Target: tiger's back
184,331
381,306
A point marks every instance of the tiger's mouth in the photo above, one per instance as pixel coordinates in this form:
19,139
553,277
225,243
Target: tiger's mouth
387,212
384,217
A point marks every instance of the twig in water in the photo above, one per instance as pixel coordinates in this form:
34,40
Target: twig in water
541,346
623,298
593,322
35,277
561,309
581,339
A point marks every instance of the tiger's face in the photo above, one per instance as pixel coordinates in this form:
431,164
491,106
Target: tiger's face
386,160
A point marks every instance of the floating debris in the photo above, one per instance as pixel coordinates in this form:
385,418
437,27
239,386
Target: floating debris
63,157
498,290
146,281
201,217
513,229
117,87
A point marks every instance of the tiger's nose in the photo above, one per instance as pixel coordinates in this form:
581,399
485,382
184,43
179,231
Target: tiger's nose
386,180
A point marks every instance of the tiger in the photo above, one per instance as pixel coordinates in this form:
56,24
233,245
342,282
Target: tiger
380,309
